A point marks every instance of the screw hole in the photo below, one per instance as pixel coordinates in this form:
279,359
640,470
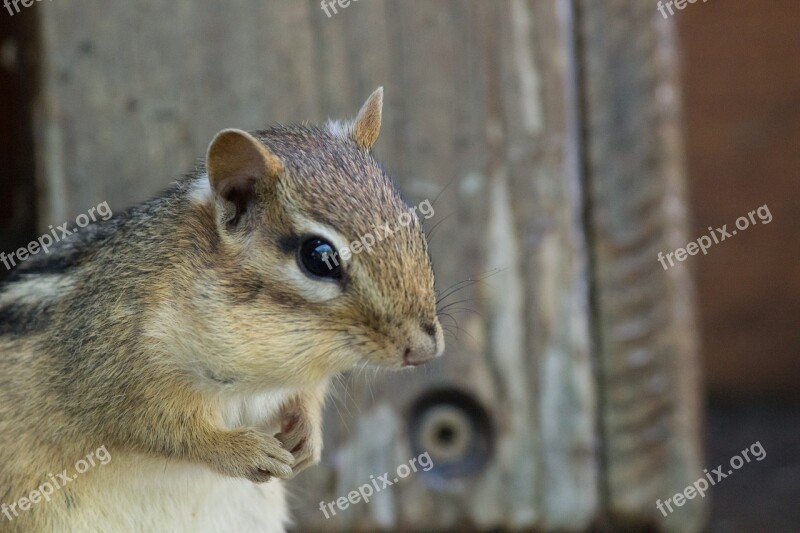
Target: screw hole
446,434
455,430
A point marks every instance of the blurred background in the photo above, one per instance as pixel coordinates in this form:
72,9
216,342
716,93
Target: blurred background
741,88
736,70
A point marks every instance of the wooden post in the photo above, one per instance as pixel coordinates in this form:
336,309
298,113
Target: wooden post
568,398
645,336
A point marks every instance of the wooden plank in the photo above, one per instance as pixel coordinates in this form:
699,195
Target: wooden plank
500,129
134,91
482,102
650,391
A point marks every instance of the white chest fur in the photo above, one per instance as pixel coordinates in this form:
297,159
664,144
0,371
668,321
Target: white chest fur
138,493
253,410
134,493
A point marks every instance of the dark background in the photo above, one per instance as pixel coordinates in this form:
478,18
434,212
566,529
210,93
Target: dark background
741,77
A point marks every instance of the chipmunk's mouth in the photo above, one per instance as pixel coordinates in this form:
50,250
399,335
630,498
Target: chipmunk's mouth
410,362
416,344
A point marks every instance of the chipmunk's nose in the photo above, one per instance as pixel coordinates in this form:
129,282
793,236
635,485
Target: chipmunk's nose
426,342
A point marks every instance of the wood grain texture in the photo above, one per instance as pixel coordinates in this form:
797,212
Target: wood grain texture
647,347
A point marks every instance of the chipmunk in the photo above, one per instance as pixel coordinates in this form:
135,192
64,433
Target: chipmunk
193,336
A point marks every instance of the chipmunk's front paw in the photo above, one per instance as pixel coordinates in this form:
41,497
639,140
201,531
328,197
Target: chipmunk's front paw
253,455
303,438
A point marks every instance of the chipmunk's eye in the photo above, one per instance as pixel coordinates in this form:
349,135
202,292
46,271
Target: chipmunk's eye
319,258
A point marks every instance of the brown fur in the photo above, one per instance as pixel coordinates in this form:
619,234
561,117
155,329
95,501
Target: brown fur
132,330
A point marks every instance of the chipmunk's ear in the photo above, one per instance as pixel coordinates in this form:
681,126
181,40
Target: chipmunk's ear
367,125
236,161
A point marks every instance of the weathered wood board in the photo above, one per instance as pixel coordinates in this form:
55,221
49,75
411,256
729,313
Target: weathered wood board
646,343
496,109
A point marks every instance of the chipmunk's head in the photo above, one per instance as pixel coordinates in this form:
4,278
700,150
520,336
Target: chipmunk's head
328,266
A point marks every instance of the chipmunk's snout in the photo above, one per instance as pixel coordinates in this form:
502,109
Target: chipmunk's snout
425,342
